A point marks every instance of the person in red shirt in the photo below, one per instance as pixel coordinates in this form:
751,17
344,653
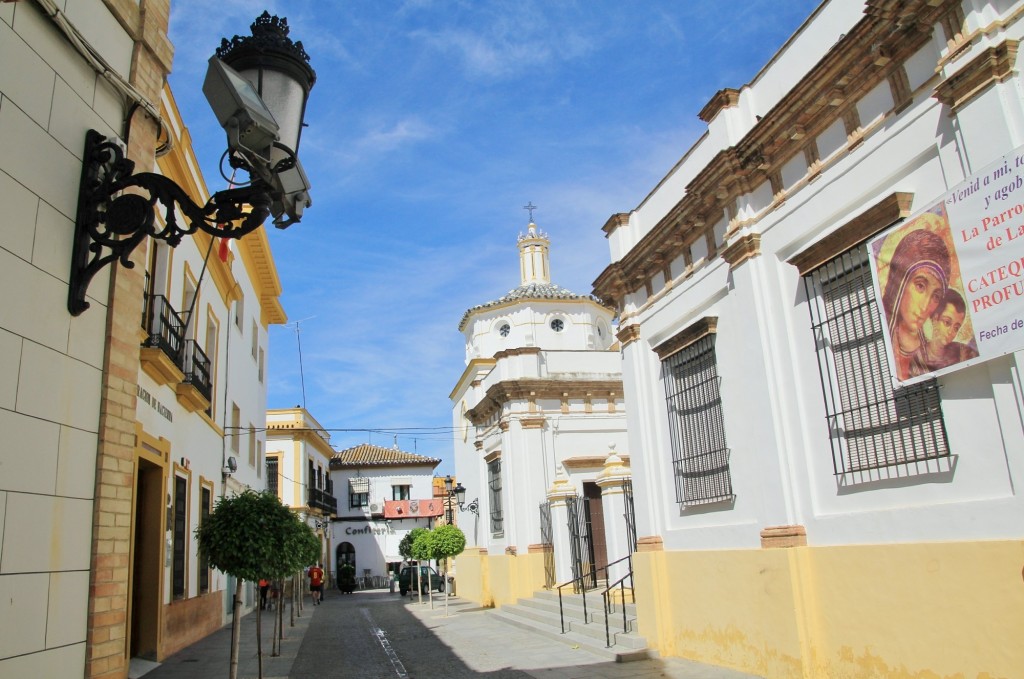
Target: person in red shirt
316,583
264,589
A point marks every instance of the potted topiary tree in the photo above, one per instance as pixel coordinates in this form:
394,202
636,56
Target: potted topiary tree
346,578
251,536
447,541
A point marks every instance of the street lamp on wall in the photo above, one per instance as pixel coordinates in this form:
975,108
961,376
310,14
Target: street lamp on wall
257,87
458,493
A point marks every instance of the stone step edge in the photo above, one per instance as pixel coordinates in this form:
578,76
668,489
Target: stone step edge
616,653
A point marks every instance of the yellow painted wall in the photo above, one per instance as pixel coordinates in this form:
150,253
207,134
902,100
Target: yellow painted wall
919,611
498,580
731,608
470,583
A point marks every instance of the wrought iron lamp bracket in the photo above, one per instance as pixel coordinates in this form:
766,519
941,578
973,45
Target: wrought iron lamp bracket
473,507
110,224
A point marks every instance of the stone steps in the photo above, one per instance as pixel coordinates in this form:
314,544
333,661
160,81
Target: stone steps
541,614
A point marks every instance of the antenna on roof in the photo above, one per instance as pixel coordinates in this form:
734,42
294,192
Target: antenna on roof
302,376
396,442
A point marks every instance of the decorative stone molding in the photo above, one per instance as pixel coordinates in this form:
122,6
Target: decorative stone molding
615,472
590,461
532,422
542,548
994,65
511,550
650,543
723,99
520,351
741,249
532,389
628,334
876,218
492,456
503,425
561,488
705,326
614,222
776,537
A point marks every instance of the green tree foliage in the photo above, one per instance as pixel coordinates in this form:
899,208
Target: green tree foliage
252,535
423,546
405,546
448,541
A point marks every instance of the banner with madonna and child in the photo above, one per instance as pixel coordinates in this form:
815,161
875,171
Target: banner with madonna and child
951,278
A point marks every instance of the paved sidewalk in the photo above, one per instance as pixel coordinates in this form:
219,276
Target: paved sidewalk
211,657
407,640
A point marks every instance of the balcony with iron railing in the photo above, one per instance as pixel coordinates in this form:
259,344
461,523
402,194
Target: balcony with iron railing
163,346
322,500
195,391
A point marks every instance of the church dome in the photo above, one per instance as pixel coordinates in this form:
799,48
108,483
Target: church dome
536,285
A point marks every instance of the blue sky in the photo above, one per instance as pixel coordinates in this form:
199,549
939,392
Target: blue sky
432,122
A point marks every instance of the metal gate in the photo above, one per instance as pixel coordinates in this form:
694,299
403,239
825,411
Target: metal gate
581,543
630,515
547,539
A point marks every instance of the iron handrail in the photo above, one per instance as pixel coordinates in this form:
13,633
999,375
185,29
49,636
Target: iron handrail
581,587
576,587
620,583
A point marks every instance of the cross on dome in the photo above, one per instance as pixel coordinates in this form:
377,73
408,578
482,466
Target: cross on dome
530,207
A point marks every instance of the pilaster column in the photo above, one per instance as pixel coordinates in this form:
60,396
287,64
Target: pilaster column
613,501
559,493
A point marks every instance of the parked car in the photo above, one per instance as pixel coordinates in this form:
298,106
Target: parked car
428,579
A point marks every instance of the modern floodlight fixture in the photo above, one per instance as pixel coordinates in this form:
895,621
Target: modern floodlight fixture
257,87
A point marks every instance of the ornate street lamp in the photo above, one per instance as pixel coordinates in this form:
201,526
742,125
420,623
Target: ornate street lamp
458,494
257,87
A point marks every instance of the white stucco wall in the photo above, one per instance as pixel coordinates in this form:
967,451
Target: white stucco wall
773,409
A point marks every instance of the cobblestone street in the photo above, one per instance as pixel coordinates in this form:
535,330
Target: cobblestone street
380,635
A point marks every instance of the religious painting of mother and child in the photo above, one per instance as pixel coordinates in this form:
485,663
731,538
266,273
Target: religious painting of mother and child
951,278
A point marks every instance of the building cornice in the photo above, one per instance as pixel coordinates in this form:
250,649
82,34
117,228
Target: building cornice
872,52
473,368
502,392
993,65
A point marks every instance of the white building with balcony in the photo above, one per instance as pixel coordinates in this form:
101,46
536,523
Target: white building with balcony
383,494
298,469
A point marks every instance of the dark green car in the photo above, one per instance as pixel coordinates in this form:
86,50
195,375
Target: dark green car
428,579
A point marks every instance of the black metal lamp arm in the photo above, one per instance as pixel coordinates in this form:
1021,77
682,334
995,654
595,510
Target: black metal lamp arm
108,227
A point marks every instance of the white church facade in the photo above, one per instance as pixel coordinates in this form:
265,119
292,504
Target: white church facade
816,495
538,411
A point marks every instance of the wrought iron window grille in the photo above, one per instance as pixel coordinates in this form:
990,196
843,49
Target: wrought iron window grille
700,457
494,486
875,430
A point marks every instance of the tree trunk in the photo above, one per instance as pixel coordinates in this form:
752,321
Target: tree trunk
275,645
430,588
259,642
236,629
419,582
